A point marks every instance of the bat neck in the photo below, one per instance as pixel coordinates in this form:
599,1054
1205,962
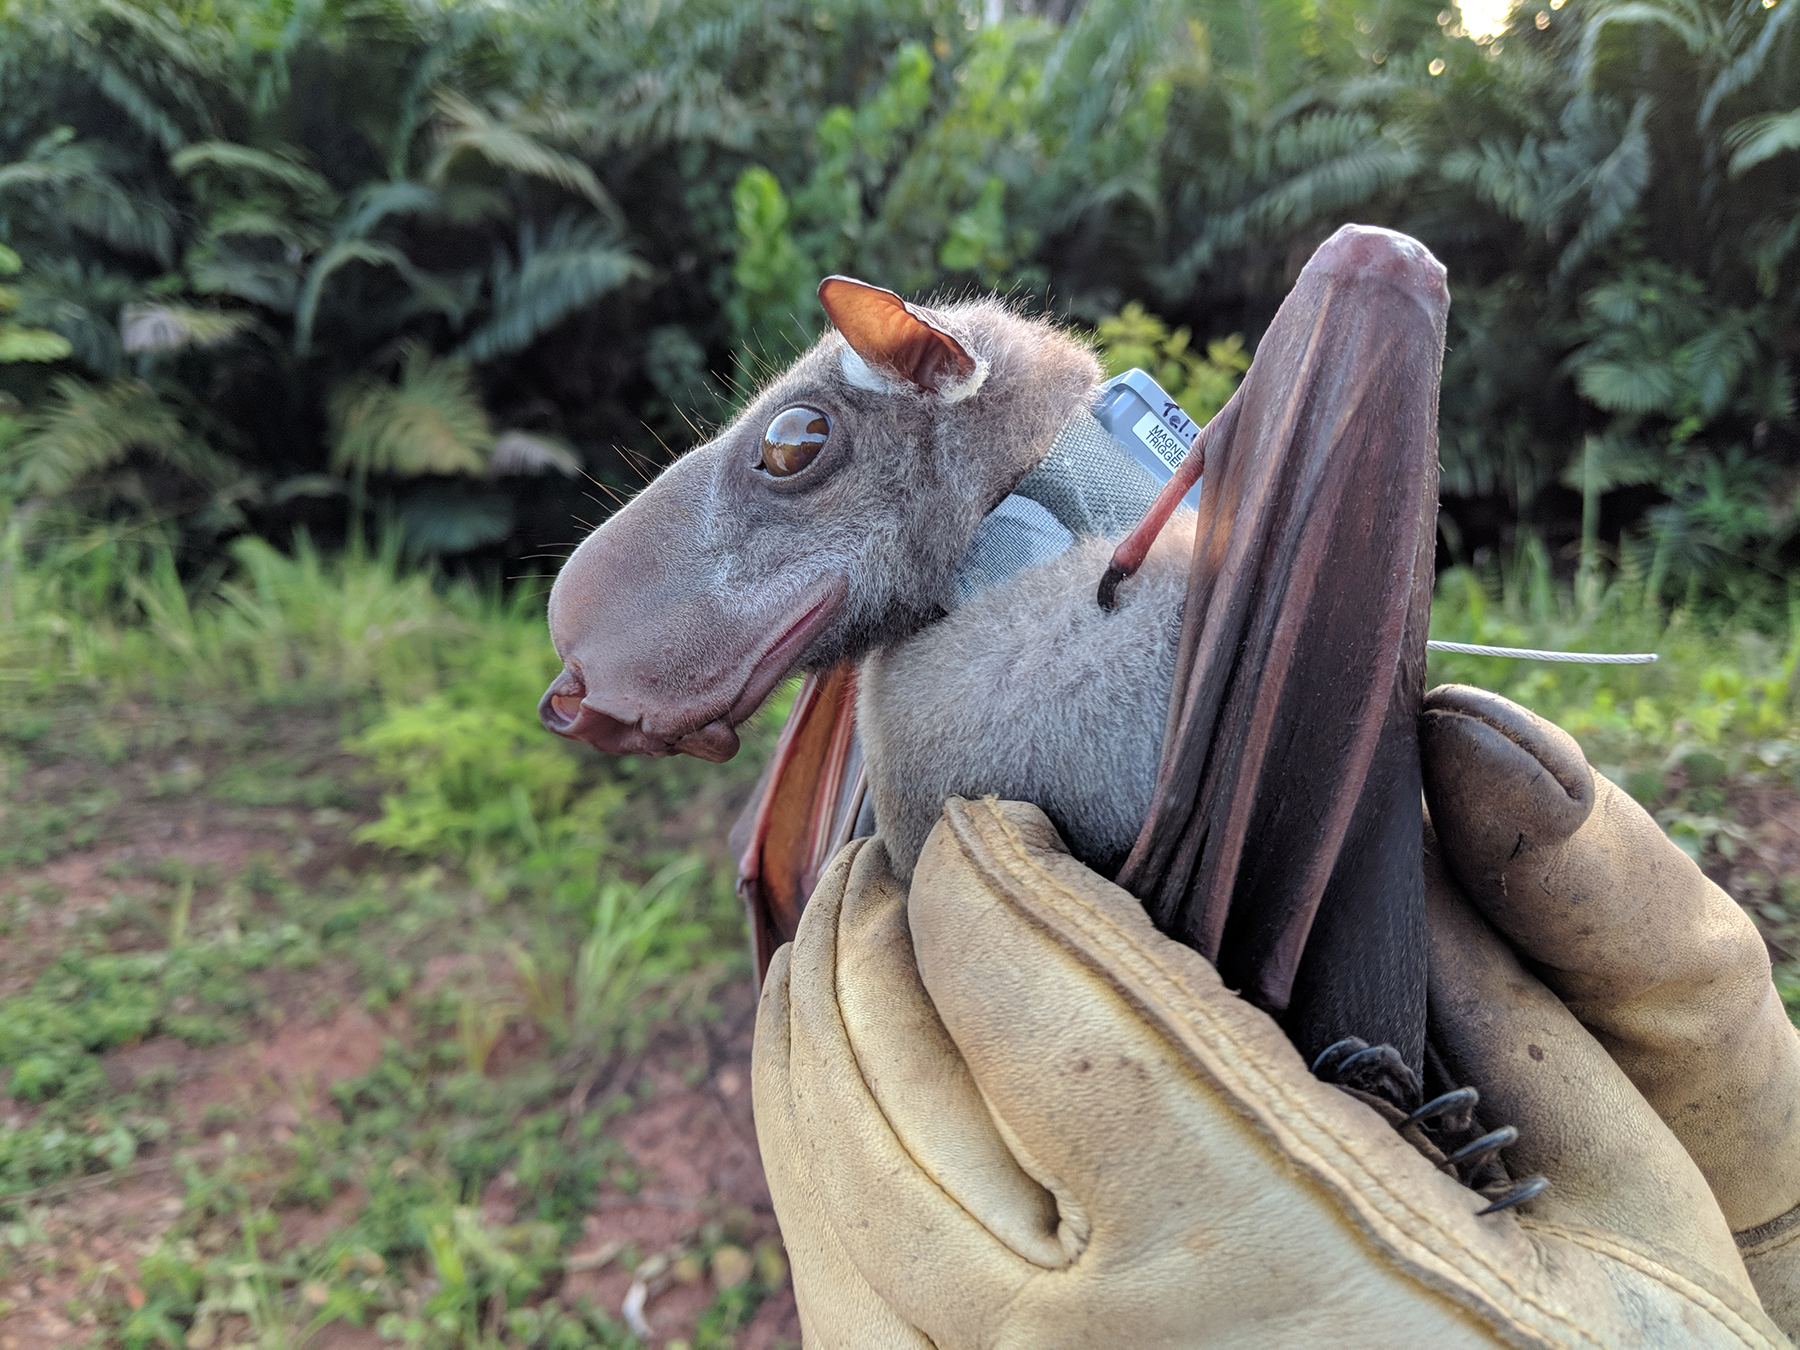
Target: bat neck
1088,481
1086,484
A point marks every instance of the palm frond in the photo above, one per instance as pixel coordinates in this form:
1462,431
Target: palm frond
432,422
375,202
1636,387
66,179
1756,140
467,129
128,221
242,161
577,263
1615,187
1749,64
1320,168
531,452
31,344
441,518
1714,362
247,221
272,285
81,303
1676,17
342,254
171,328
89,428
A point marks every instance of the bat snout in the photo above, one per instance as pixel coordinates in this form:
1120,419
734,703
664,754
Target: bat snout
565,710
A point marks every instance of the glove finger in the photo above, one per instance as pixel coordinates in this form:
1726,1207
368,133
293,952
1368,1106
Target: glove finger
1613,1164
845,1163
1659,963
837,1305
916,1077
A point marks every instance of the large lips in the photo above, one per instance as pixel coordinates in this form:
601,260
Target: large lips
707,733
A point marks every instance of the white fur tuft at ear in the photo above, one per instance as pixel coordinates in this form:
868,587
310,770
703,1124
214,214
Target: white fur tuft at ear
859,374
962,389
862,375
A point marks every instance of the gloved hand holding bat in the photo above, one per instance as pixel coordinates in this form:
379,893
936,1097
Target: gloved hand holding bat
1000,1109
1004,1107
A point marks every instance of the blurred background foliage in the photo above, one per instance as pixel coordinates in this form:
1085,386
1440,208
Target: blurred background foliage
282,262
323,323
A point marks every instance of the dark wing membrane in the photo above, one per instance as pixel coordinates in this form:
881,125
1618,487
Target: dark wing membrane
1284,837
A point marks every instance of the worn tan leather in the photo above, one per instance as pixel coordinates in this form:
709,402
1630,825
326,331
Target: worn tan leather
1660,964
1002,1110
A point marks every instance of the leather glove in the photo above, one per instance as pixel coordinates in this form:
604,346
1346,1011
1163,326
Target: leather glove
1003,1111
1660,965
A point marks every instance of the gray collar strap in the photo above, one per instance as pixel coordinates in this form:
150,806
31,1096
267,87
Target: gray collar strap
1087,484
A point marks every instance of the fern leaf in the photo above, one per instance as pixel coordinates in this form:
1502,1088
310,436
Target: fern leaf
575,266
432,422
1759,139
466,129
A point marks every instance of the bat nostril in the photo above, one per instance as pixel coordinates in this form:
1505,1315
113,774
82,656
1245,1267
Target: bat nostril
560,706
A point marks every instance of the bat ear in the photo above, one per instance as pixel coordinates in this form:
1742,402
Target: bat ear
893,336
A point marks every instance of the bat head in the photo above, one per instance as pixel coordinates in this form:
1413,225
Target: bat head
826,519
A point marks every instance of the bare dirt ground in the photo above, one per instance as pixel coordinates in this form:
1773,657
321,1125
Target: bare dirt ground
134,835
696,1146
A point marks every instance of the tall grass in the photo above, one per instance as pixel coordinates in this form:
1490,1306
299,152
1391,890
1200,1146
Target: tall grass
1723,684
107,613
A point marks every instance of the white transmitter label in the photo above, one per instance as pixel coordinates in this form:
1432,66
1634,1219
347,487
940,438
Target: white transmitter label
1163,443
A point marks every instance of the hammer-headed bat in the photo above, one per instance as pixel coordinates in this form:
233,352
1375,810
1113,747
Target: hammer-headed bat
1236,731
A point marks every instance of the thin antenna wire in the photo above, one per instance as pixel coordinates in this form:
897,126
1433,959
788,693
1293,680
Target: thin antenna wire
1532,654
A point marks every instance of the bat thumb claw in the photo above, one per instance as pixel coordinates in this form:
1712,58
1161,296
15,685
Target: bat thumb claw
1108,595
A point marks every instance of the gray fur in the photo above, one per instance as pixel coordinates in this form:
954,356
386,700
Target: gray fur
1033,693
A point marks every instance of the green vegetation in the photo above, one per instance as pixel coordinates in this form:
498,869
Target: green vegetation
1707,738
508,888
344,264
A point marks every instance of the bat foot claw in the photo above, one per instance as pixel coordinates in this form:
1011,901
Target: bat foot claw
1469,1151
1375,1069
1505,1197
1447,1113
1108,595
1472,1152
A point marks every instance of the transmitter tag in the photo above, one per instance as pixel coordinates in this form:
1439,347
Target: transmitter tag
1141,416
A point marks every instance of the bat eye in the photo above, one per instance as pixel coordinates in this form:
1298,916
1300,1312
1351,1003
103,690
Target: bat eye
794,440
